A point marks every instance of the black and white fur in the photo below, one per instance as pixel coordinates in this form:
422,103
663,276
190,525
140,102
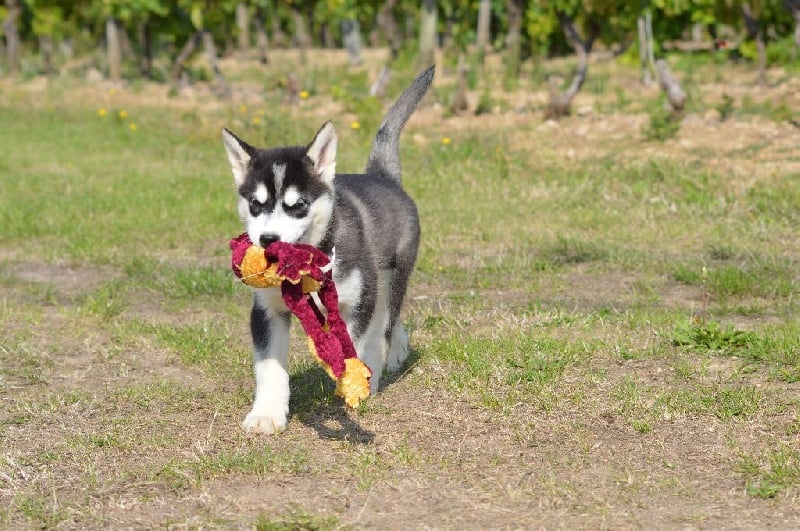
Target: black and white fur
365,222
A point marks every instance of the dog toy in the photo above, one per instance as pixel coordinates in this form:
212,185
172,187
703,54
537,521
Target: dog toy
299,270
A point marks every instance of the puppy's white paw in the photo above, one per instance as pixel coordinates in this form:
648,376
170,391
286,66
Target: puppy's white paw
264,424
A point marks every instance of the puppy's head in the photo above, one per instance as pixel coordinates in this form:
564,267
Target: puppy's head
284,194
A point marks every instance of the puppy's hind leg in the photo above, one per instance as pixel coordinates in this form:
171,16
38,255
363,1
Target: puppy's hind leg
368,323
398,347
396,335
269,324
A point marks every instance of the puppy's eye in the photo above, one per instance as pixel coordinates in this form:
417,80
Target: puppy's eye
298,205
256,206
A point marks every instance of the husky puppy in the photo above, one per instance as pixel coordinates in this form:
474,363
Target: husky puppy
365,222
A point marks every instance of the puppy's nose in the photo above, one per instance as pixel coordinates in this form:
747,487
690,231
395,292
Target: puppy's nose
268,238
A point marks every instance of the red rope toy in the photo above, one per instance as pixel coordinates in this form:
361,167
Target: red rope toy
300,269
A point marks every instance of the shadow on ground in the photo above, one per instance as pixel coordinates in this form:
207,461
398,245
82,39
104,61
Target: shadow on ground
314,403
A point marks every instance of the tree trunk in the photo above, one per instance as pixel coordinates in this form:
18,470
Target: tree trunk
352,40
648,26
292,89
372,36
560,102
229,46
211,55
643,50
12,35
188,49
114,50
794,7
46,50
675,94
301,36
326,36
447,41
427,33
145,42
243,24
261,37
761,48
279,39
388,25
697,32
459,103
379,87
644,25
410,26
797,29
484,26
124,42
753,25
513,38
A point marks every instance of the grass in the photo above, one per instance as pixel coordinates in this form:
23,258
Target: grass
495,367
775,349
663,125
772,471
254,461
296,517
204,345
765,279
586,317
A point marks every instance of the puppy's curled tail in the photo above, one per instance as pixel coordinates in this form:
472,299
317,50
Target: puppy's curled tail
384,158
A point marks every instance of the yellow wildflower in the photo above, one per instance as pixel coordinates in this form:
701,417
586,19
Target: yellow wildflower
256,120
446,141
304,94
132,126
355,125
243,109
123,114
101,111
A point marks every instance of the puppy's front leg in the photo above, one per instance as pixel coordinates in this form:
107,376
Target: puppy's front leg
269,324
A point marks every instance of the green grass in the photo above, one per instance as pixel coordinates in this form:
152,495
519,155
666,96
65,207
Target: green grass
567,250
710,337
89,216
772,471
644,407
775,349
663,124
725,402
502,370
206,345
41,508
259,461
296,517
764,279
107,302
368,467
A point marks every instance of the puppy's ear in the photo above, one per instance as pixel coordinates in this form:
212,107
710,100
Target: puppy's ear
239,153
322,153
